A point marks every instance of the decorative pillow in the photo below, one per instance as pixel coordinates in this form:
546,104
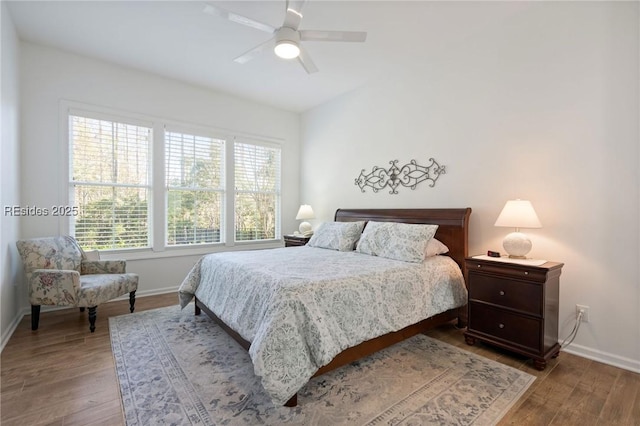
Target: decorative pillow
341,236
435,247
399,241
91,255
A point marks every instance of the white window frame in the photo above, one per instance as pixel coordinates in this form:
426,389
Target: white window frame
198,131
71,183
157,199
278,192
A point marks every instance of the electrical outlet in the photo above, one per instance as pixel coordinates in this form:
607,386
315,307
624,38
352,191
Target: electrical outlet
585,312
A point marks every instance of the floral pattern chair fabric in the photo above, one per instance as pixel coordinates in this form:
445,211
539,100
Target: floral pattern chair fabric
60,273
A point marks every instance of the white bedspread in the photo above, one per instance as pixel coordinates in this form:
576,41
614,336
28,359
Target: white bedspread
301,306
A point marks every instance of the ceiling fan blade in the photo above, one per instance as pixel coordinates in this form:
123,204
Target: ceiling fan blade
306,62
240,19
294,14
249,55
313,35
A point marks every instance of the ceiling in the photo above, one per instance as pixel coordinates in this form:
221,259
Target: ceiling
176,39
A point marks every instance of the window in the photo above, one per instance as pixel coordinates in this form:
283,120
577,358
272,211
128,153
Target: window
138,183
109,185
257,192
195,188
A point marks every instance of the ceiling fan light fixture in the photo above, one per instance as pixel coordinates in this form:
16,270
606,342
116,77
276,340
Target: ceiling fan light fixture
287,49
287,43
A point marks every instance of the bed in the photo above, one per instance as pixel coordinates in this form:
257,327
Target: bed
304,311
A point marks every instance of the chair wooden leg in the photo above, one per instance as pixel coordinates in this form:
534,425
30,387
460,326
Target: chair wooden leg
132,301
35,316
82,309
92,318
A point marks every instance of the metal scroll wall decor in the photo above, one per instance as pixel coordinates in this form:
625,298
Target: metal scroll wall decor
409,175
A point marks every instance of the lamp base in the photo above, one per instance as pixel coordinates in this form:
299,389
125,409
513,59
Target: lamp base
305,228
517,245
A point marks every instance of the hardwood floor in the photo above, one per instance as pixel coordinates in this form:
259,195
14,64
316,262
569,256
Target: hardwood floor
570,391
64,375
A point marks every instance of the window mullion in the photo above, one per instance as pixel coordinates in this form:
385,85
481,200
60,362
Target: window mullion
230,195
158,207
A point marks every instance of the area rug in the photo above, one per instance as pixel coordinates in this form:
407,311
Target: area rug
180,369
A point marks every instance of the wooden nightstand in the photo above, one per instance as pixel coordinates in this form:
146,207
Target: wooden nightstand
295,240
515,307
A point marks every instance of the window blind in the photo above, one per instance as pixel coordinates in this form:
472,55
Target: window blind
109,185
195,188
257,171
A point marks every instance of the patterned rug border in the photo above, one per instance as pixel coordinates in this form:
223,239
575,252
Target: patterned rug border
197,412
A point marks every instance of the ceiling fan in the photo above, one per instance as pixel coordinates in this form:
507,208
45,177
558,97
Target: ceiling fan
286,39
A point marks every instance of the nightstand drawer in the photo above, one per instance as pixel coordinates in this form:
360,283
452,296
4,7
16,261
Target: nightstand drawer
521,296
508,270
511,328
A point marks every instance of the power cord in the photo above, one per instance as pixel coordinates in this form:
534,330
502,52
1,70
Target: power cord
574,332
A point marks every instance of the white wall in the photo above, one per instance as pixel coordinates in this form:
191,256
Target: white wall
50,76
10,266
541,106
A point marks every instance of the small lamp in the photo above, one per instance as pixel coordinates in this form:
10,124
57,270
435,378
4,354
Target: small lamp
305,212
518,214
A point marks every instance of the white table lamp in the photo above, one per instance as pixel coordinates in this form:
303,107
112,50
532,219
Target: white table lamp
304,213
518,214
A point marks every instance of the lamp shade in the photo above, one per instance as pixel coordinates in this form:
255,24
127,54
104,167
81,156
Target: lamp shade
518,214
305,212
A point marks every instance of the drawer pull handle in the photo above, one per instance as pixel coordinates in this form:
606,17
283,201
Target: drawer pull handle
501,325
479,266
526,273
501,293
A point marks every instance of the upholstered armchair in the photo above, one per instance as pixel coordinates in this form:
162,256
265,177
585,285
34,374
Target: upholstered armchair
58,272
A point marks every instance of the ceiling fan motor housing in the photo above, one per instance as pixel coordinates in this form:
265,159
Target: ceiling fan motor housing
287,43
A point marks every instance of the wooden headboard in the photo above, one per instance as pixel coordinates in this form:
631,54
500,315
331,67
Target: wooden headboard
453,224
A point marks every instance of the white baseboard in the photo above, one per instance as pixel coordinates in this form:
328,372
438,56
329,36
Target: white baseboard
9,332
26,310
604,357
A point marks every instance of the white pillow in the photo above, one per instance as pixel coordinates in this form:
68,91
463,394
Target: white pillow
435,247
341,236
399,241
